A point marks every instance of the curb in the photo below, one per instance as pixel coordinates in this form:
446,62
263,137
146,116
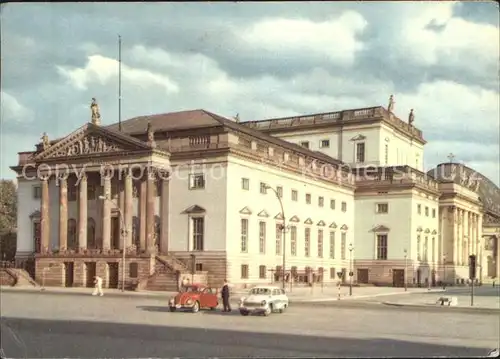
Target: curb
476,310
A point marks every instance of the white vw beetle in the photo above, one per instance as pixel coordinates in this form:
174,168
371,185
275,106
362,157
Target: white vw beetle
264,300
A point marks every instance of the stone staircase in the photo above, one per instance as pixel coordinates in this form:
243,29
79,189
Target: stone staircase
18,277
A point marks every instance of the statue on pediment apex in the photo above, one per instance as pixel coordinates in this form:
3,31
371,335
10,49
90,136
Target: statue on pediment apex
411,118
96,116
390,106
151,135
237,118
45,141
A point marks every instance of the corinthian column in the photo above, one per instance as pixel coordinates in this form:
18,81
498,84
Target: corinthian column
45,217
150,214
63,214
82,213
106,214
128,210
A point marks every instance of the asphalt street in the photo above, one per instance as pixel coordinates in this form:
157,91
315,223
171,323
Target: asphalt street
56,326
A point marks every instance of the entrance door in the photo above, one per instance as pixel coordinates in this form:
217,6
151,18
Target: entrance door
90,272
115,232
363,276
68,274
113,275
398,277
419,277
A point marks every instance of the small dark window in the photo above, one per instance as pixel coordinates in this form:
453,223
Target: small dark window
133,270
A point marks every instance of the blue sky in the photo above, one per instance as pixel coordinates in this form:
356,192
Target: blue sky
260,60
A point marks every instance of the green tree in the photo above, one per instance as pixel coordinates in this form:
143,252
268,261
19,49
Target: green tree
8,219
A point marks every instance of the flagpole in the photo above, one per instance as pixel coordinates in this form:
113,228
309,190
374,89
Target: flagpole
119,83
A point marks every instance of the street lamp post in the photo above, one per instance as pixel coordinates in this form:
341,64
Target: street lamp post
351,274
406,270
123,233
283,228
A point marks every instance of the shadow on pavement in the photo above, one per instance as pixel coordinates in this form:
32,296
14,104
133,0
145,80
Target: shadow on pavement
31,338
149,308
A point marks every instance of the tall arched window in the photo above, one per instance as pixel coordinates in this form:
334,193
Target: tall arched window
91,243
72,239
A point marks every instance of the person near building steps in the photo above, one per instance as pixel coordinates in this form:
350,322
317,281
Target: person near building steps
225,297
98,286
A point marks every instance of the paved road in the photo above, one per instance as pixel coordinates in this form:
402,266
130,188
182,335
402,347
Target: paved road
35,326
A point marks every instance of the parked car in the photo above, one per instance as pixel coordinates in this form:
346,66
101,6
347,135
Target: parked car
264,300
194,297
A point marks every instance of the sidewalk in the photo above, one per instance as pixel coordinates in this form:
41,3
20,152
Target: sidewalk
297,295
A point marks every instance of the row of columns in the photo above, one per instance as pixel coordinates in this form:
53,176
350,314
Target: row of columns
467,234
146,209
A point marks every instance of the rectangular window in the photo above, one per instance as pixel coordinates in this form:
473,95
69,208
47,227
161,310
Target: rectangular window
262,272
419,208
307,242
308,198
344,207
245,184
333,275
244,235
198,267
133,270
37,192
433,213
382,208
279,190
343,240
198,233
279,234
324,144
244,271
360,152
262,237
332,204
72,190
382,246
320,243
332,244
263,188
427,211
304,144
386,154
293,240
295,195
321,201
197,181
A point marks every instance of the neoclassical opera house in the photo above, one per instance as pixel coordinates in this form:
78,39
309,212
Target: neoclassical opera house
195,194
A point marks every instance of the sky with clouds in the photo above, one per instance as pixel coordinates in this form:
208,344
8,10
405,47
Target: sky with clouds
260,60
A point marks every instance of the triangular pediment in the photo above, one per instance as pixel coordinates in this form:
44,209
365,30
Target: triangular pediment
434,232
359,137
427,230
263,213
279,216
321,223
419,229
91,139
381,228
308,221
245,210
194,210
344,227
295,219
333,225
35,214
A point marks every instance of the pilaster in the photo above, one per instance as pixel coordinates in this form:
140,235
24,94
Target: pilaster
63,214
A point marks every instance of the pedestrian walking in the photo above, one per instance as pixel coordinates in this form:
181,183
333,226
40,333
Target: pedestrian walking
98,286
225,297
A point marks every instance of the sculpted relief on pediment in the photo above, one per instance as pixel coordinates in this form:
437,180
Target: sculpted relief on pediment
89,144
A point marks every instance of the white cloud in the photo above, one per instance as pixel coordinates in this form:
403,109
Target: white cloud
334,39
13,110
104,70
459,42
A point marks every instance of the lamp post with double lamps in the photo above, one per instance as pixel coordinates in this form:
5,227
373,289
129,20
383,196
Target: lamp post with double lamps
123,234
351,274
283,228
406,271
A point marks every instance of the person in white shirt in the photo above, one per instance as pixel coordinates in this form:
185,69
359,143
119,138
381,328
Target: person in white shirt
98,286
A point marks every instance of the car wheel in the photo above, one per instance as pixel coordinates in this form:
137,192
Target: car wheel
268,310
244,313
172,309
196,307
